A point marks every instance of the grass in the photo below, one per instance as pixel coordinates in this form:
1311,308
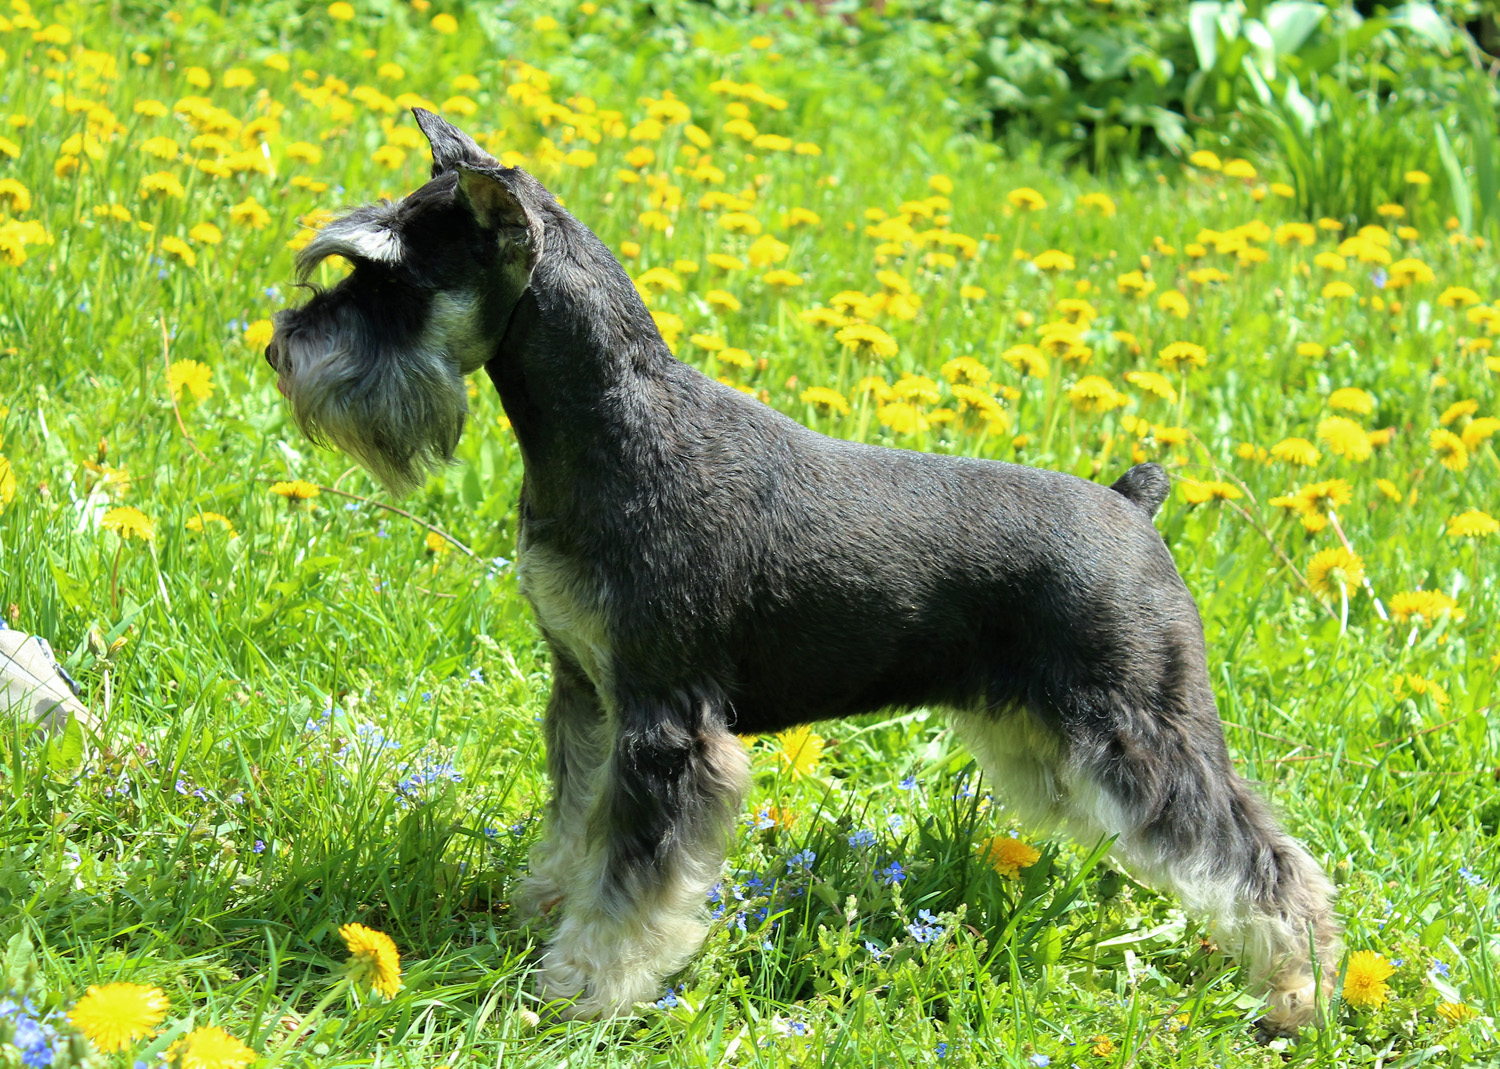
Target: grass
321,713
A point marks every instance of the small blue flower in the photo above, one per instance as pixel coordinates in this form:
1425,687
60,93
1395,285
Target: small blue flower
941,1050
259,847
1470,877
797,1028
1039,1060
874,951
892,874
1379,277
1440,967
716,892
668,1001
908,784
476,675
862,838
803,860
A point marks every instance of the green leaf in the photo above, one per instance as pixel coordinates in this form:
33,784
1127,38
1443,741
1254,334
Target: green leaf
1463,199
73,592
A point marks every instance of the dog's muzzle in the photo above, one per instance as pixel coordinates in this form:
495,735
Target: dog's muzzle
275,356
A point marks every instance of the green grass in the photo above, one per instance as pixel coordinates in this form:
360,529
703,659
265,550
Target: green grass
267,694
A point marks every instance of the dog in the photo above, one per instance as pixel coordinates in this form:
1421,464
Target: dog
702,565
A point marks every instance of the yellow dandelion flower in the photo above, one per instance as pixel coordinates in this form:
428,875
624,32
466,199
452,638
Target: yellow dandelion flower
1093,393
1026,199
1337,289
250,213
1365,978
1197,492
113,1016
823,397
709,343
1154,383
164,183
1136,284
1453,1013
1310,349
1478,431
1389,490
341,11
1390,211
1352,399
206,234
1206,160
901,417
972,293
1101,1046
1408,271
198,522
373,959
781,278
1426,605
1458,410
1475,523
1008,855
175,246
196,377
1182,355
799,750
966,368
445,24
210,1048
1102,202
1053,260
1297,451
1303,234
660,279
128,523
1450,449
295,490
867,339
767,250
1027,359
1173,303
725,262
1457,297
1239,169
258,334
736,357
1335,569
1345,438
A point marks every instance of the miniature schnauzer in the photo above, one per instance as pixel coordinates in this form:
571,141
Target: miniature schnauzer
702,565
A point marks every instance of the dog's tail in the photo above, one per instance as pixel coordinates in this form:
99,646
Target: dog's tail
1145,485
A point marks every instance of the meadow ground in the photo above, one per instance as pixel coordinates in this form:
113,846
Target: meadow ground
320,711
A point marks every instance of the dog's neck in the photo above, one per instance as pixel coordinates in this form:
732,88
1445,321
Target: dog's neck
577,347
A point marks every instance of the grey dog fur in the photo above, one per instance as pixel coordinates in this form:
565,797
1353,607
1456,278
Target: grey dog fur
702,565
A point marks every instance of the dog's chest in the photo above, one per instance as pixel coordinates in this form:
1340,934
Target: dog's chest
569,604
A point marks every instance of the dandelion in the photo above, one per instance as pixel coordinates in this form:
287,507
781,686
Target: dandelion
1008,855
1408,271
1297,451
198,521
781,278
1093,393
972,293
1198,492
1101,1046
1026,199
901,417
258,334
799,750
162,183
1135,284
1365,978
295,491
1239,169
1475,523
1457,297
250,213
1458,410
966,368
128,523
210,1048
195,376
1173,303
1334,570
866,339
206,234
1053,260
1453,1013
823,397
1027,359
1337,289
113,1016
445,24
1480,430
1345,438
1180,356
373,959
766,250
1450,449
1206,160
1425,605
175,246
1154,383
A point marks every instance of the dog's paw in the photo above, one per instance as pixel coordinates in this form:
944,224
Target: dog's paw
538,896
1292,1005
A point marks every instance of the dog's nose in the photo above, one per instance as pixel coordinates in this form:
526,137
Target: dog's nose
273,355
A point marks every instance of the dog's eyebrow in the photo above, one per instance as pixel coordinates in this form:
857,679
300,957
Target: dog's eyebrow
360,235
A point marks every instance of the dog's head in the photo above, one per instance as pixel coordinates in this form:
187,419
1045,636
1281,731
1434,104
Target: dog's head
375,364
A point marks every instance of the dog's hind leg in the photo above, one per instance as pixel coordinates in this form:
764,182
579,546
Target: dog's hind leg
636,905
1162,783
577,746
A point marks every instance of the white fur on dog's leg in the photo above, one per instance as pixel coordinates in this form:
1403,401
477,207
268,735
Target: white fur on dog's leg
1292,1003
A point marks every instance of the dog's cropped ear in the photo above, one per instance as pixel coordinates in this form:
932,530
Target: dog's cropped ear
490,200
450,145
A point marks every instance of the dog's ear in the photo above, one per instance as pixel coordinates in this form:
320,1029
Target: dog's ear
490,199
450,145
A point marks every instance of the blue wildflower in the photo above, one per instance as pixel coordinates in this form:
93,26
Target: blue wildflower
892,874
862,838
803,860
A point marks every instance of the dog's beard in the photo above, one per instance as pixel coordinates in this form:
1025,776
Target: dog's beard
398,414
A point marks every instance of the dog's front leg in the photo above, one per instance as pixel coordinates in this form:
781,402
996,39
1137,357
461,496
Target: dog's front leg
635,907
577,748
